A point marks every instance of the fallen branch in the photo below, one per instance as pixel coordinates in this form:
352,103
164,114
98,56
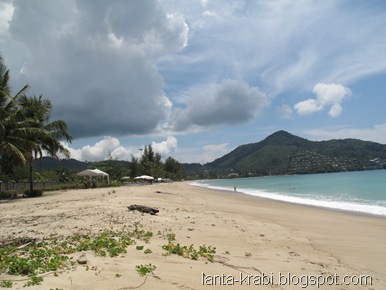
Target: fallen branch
144,209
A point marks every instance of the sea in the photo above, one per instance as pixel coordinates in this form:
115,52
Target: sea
358,191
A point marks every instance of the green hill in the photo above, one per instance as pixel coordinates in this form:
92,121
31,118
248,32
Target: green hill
284,153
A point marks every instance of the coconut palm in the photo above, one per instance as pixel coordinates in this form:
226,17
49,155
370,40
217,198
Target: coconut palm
47,135
25,128
13,131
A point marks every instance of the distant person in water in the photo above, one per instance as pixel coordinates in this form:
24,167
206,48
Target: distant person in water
235,188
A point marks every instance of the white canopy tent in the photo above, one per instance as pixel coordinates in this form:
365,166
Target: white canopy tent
94,173
145,177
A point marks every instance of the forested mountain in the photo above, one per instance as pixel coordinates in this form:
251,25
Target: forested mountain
284,153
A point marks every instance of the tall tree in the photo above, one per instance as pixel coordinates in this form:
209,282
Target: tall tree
173,169
151,162
14,132
134,166
25,128
48,134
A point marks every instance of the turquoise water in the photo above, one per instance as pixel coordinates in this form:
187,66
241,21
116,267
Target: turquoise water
361,191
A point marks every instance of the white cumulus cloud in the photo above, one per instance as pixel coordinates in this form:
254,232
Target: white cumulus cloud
111,147
165,148
328,96
203,154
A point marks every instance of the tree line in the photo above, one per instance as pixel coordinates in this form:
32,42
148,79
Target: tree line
150,164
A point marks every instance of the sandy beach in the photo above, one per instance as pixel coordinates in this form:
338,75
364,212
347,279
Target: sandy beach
260,244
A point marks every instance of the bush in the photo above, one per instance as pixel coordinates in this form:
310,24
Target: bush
116,183
8,194
33,193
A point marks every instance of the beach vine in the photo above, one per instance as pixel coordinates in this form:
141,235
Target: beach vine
172,248
36,258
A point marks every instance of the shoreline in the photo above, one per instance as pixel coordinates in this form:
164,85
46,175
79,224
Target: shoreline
241,193
348,228
328,207
252,235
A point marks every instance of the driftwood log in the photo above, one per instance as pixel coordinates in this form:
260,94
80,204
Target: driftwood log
143,208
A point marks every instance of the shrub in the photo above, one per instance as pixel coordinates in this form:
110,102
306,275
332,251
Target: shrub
116,183
33,193
8,194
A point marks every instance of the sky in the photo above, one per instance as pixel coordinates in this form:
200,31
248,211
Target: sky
198,78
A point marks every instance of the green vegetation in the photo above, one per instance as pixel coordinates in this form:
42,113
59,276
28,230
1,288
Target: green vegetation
33,193
150,164
8,194
144,270
206,252
283,153
171,237
34,258
26,130
6,284
172,248
148,251
34,281
64,171
31,257
109,243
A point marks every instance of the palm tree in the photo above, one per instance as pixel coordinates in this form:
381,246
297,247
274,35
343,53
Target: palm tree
13,131
25,129
47,135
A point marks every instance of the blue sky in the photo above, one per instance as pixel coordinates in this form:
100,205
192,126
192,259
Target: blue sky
198,78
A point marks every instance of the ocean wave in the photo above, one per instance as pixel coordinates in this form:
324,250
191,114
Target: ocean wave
360,205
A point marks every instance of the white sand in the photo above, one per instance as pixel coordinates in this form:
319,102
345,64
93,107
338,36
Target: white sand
252,237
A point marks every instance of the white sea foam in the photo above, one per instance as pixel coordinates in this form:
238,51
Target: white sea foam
358,206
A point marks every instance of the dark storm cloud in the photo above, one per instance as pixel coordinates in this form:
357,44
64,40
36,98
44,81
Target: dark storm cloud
96,61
